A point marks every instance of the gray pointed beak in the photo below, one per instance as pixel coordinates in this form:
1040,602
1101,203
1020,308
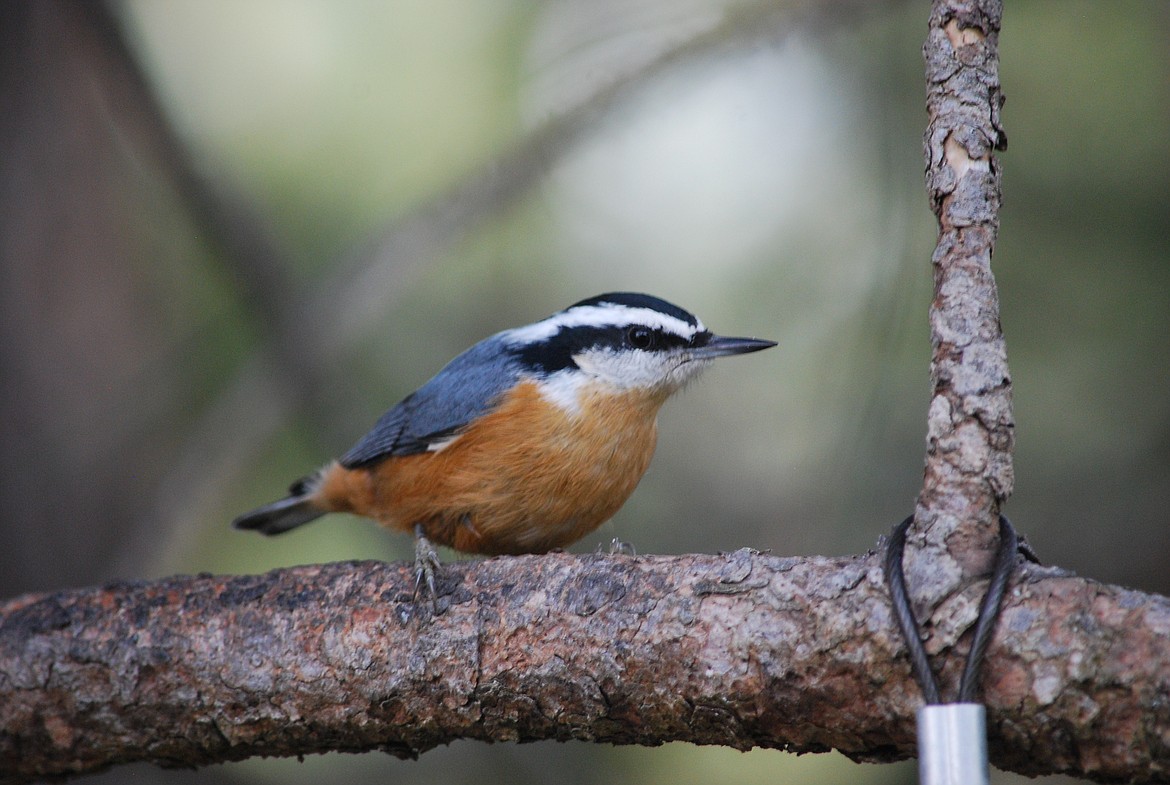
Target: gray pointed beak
721,346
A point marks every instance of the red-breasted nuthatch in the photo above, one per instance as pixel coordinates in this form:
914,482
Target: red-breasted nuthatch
526,442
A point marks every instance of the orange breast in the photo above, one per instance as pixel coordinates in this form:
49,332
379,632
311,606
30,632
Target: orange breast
526,478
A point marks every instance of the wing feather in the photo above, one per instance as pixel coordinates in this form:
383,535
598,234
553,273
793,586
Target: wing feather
464,390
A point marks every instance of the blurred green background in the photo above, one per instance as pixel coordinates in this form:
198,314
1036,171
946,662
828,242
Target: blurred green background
232,234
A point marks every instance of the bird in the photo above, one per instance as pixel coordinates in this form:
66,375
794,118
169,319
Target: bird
525,442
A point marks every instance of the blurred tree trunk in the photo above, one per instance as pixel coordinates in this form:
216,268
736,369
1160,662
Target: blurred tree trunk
91,259
97,260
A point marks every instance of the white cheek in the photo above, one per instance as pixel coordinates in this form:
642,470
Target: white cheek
638,370
628,370
624,371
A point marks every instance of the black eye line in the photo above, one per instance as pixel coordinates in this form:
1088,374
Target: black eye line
657,339
556,352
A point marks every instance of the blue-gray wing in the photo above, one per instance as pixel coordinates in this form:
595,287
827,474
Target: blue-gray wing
466,388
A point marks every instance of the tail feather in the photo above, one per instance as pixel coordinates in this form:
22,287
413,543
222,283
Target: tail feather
280,516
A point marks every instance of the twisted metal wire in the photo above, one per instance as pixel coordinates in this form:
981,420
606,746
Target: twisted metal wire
904,614
989,610
1005,562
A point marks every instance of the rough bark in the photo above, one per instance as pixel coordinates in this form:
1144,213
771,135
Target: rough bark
744,650
970,429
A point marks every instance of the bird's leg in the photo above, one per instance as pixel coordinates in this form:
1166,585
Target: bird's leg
426,561
618,547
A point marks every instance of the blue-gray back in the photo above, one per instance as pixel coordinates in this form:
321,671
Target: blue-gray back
465,389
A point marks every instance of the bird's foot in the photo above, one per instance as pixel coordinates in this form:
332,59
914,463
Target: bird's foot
619,548
426,563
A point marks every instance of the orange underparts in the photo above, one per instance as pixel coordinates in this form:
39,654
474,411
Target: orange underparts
525,478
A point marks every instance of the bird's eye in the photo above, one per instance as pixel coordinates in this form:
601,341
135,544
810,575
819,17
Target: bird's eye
640,337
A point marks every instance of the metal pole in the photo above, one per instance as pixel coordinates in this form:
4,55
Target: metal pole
952,744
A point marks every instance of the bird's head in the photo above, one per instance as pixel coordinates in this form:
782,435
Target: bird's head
631,342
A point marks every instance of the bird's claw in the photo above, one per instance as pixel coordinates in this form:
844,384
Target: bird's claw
618,547
426,563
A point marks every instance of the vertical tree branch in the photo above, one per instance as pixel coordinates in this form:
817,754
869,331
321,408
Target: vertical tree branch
968,471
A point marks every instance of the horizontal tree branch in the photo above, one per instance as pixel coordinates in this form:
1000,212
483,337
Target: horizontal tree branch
745,650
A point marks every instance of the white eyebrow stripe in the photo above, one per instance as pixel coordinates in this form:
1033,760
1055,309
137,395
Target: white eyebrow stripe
607,315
